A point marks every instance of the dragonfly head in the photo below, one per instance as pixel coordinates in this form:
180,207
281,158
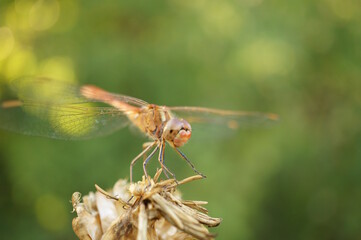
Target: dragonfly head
177,132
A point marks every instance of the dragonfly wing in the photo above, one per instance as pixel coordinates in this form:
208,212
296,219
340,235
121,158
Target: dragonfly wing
58,109
61,121
46,90
230,119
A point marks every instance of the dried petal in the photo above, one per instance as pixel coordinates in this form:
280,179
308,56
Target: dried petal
86,225
106,209
142,223
155,211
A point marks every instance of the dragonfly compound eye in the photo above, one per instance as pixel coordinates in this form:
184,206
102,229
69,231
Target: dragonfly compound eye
177,132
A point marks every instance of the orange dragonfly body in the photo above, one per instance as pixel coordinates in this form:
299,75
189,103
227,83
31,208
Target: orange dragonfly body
56,109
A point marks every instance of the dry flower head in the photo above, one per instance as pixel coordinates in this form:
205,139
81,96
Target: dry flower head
147,209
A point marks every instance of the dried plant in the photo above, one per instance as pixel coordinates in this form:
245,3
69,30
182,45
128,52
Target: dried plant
147,209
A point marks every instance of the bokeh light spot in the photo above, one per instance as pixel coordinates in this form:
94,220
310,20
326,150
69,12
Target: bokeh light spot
51,212
23,6
6,42
221,19
58,68
264,58
17,15
21,62
44,14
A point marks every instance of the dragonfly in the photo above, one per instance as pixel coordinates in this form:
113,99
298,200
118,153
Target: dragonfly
63,110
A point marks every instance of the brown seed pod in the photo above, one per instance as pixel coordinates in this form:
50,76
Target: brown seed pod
147,209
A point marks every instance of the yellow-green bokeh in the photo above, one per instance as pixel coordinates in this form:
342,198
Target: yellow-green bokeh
298,179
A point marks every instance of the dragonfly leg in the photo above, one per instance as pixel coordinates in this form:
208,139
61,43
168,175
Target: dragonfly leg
161,161
136,159
145,162
145,145
189,162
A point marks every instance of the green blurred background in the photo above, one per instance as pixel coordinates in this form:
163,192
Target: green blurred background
299,179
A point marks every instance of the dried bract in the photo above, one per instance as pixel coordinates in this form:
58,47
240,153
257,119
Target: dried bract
147,209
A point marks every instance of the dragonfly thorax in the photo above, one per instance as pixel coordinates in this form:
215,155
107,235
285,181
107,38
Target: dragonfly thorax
177,132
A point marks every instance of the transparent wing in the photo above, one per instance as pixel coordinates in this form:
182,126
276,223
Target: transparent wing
66,121
230,119
41,89
55,109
